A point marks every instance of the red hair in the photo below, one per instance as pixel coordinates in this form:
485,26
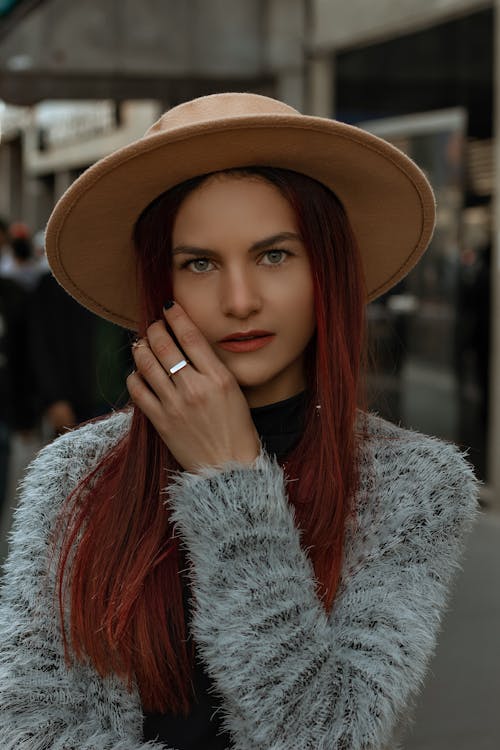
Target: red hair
125,593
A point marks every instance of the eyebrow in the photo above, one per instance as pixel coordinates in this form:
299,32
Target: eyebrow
259,245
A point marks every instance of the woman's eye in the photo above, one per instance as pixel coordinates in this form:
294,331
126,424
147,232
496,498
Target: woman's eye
195,260
273,252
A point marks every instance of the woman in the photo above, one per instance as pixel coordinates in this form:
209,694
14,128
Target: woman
242,558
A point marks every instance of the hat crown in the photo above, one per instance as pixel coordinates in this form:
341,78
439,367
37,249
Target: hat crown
89,238
218,107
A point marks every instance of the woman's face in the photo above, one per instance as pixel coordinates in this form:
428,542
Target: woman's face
230,285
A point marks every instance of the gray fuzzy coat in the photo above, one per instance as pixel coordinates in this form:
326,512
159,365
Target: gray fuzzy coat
289,676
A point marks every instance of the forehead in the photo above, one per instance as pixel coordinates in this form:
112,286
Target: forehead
235,203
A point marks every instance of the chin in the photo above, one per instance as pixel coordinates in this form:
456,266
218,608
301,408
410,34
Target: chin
245,382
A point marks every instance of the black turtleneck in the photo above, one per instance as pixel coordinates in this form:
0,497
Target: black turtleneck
280,426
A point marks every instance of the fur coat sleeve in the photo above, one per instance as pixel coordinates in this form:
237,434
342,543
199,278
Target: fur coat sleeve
289,676
43,704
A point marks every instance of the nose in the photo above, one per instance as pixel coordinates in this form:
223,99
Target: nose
239,294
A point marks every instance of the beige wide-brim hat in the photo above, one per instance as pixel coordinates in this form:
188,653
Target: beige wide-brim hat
388,199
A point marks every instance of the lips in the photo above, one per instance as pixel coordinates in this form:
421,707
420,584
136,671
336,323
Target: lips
250,345
245,338
246,335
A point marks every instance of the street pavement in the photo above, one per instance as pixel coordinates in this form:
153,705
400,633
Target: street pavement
459,707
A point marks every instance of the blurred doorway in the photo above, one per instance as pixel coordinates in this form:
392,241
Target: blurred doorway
430,333
430,91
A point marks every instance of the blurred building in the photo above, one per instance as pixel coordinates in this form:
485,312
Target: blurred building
113,66
424,76
82,79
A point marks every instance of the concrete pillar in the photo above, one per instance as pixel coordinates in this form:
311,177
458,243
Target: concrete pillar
4,181
11,180
38,200
321,86
284,26
290,88
494,416
16,177
62,181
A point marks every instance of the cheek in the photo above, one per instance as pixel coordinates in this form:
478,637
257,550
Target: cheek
300,309
196,305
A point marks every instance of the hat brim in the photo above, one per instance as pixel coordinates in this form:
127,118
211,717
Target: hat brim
388,199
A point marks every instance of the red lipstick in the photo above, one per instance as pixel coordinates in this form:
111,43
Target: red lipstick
245,334
246,346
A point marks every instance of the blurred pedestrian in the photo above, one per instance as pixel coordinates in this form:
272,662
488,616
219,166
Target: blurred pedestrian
17,411
5,248
19,272
18,423
25,269
78,367
243,556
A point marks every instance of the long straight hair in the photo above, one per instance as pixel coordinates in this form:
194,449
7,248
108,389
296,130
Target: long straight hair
120,565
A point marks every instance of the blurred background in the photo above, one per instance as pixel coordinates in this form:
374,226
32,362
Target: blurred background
79,80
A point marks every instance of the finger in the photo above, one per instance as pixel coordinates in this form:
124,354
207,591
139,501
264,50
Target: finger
143,397
152,371
193,342
164,348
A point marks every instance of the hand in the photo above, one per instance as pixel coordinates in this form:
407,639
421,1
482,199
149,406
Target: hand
200,412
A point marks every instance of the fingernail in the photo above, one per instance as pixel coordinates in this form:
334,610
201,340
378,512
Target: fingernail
168,304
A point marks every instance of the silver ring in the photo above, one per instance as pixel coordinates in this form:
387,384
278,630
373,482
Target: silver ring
177,367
